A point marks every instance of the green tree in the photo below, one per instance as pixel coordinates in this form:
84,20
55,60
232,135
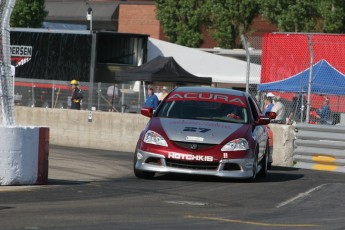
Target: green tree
181,20
230,18
292,15
28,13
333,15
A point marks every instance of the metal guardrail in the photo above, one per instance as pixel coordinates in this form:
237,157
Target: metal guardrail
320,147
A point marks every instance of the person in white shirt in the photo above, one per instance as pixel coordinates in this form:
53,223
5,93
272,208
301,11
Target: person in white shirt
279,109
158,92
113,95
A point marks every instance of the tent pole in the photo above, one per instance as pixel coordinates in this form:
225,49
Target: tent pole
310,76
244,43
144,91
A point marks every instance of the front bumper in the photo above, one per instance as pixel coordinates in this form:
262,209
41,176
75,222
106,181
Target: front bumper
229,168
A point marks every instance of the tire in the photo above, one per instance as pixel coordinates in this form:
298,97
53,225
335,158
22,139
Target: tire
270,152
140,173
143,174
264,164
255,168
269,166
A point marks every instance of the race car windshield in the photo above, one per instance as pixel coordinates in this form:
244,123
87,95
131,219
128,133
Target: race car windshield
204,110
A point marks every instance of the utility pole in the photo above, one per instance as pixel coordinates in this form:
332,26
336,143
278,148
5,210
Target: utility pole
89,17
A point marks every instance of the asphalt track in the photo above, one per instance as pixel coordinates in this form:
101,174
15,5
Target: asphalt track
96,189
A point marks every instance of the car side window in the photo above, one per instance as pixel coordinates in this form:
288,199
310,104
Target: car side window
253,108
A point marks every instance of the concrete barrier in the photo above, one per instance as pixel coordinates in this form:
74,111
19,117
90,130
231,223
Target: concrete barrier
120,131
283,142
108,130
24,155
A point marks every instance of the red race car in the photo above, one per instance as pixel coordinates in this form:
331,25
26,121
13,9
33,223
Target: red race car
205,131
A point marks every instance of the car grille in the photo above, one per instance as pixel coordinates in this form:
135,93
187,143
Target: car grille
187,145
192,164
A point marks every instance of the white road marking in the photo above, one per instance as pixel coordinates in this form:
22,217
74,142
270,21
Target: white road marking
187,203
299,196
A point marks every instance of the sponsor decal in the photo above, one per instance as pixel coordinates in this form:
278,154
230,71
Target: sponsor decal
189,138
189,157
225,155
20,54
21,51
222,98
201,123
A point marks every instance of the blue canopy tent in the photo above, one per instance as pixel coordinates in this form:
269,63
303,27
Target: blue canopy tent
325,80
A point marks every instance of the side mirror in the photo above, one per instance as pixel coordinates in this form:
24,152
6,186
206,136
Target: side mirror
146,111
263,120
271,115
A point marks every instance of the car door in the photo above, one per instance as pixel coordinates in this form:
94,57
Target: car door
259,131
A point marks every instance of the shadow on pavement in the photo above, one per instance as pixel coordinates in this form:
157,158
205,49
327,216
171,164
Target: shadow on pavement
66,182
277,174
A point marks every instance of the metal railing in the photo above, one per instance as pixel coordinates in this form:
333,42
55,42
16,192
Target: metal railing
320,147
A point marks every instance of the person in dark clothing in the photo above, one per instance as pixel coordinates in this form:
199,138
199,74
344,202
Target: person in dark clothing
77,95
324,113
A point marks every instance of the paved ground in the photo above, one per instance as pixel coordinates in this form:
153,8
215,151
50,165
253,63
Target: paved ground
96,189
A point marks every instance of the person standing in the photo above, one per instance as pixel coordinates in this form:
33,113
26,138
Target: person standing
158,92
324,113
268,104
77,95
279,109
113,95
151,100
164,93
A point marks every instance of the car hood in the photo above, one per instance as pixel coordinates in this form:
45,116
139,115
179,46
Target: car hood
199,131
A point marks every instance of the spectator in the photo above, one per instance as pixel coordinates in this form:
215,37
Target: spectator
151,100
279,109
164,93
324,113
296,109
113,96
77,95
268,104
158,92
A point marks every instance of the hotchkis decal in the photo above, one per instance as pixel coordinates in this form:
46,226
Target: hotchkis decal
212,97
189,157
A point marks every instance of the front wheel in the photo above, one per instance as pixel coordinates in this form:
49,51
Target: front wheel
143,174
255,169
264,164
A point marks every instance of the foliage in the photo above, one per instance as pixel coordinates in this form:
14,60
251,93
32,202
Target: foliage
292,15
181,20
230,18
305,16
333,14
28,13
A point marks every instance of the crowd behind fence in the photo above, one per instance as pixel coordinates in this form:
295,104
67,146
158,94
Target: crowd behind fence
308,75
128,98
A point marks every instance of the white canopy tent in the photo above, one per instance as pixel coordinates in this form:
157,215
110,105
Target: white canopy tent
202,64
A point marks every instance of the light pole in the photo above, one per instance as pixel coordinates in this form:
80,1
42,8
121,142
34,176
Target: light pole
89,17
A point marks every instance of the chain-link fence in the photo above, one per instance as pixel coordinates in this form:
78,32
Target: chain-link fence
128,98
6,75
303,75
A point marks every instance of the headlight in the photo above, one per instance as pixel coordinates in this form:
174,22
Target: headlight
235,145
154,138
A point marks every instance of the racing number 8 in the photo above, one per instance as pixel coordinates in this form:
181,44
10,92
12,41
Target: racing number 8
195,129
